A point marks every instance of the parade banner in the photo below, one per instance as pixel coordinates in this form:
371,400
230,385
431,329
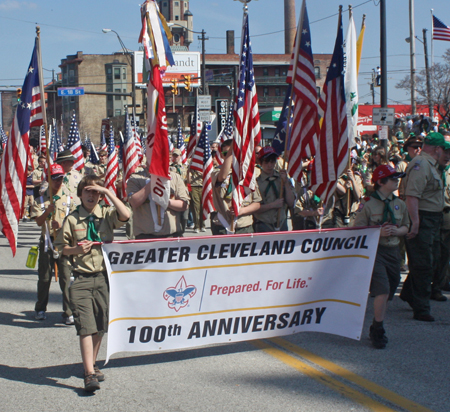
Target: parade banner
188,292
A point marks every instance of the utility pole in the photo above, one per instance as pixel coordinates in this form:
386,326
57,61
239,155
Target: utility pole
383,66
412,52
204,84
427,71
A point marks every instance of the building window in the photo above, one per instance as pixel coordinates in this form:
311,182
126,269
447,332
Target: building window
176,38
110,112
109,74
277,72
117,97
284,72
116,73
217,93
317,72
117,112
177,17
265,91
124,73
277,91
124,97
176,4
265,71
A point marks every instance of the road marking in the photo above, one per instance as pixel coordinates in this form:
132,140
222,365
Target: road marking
352,377
322,378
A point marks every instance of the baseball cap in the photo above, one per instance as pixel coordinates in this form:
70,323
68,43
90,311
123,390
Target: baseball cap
385,171
56,171
437,139
266,152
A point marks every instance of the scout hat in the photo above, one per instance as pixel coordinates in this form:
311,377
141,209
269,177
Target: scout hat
266,152
176,152
436,139
413,139
385,171
65,155
56,171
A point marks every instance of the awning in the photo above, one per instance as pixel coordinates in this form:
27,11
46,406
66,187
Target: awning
272,116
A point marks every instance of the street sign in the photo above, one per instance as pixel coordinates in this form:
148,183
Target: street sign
70,91
204,102
204,115
382,116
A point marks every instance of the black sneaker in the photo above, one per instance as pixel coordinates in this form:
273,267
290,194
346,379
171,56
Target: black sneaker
91,383
378,337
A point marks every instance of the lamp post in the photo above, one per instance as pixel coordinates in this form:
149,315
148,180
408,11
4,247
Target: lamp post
130,58
412,52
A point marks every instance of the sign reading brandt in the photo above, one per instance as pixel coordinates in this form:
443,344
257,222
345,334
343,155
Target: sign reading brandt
186,63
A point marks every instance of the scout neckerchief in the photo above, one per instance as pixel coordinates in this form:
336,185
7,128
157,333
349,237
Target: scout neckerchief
271,185
91,231
387,208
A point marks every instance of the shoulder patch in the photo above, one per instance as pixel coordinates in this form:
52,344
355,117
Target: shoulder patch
367,198
396,207
416,166
360,207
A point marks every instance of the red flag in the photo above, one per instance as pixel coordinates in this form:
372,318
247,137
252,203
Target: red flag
13,173
332,154
248,133
305,120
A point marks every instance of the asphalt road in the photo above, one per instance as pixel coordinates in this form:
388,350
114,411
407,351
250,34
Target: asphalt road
40,365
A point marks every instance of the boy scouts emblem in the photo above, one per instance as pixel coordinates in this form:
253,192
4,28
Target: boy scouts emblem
178,296
397,207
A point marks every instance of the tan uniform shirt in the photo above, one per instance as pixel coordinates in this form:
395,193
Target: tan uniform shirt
446,220
70,182
268,196
74,231
424,181
180,169
142,215
63,206
196,178
401,168
222,201
38,175
371,212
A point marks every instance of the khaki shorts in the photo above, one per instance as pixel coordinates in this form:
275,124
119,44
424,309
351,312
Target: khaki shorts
89,300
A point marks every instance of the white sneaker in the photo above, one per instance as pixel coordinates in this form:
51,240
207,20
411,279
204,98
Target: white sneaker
203,229
69,320
197,230
40,315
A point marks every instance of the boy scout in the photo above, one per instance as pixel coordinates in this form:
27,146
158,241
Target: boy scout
72,177
221,182
384,209
424,193
272,212
89,293
51,217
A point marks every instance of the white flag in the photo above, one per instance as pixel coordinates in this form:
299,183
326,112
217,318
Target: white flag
351,82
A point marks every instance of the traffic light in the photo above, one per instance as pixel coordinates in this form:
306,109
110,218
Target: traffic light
175,90
187,83
19,93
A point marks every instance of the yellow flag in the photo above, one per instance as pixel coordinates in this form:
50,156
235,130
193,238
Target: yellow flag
359,44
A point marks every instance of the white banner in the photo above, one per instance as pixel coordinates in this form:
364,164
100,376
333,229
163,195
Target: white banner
183,293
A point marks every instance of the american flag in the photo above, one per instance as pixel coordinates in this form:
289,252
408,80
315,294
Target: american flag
332,154
58,142
3,136
112,167
93,157
305,120
440,30
130,159
199,154
248,133
137,140
180,143
53,145
207,196
170,143
279,138
103,145
13,173
74,144
196,129
42,142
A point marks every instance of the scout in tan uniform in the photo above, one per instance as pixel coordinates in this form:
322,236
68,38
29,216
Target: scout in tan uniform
221,182
89,294
425,201
100,169
337,206
384,209
43,213
272,215
195,182
145,221
72,177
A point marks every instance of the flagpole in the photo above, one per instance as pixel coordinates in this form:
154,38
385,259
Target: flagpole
348,194
432,43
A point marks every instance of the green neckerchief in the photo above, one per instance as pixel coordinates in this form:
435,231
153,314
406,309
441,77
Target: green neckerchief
178,167
408,157
56,198
229,190
272,186
91,232
66,180
387,208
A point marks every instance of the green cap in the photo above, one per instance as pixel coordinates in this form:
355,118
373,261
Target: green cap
436,139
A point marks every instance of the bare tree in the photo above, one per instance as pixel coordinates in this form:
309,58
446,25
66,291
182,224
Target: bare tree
440,85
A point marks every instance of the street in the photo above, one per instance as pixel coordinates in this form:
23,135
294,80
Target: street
40,366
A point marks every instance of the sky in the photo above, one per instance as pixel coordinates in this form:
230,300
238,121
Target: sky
71,26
